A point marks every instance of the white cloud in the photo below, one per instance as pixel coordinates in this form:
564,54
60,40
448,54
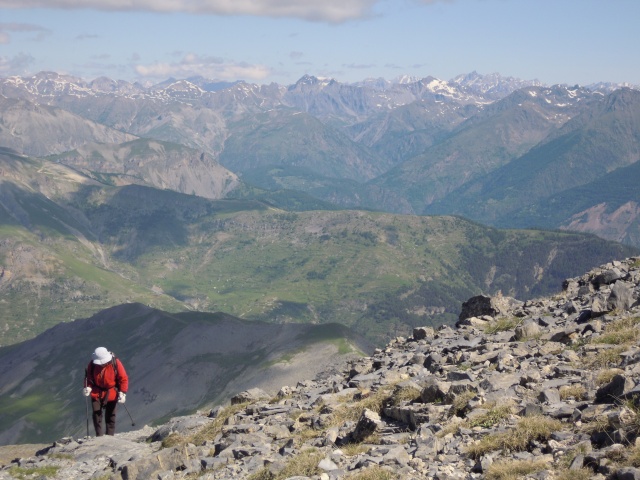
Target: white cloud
334,11
208,67
16,65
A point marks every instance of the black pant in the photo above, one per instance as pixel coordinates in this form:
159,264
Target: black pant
110,416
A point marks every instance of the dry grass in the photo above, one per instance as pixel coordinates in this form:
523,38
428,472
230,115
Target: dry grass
305,464
172,440
633,456
502,325
517,439
606,358
514,469
353,449
576,391
459,404
620,332
404,394
579,474
605,376
351,412
493,415
210,431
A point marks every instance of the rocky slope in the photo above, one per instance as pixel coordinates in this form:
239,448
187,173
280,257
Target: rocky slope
542,389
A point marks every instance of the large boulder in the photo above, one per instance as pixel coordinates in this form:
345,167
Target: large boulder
482,305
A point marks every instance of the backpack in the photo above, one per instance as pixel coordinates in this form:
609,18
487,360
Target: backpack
114,364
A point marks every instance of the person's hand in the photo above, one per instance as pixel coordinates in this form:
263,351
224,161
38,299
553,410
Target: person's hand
86,391
122,397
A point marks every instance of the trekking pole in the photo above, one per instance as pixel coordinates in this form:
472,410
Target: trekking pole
133,424
86,374
87,405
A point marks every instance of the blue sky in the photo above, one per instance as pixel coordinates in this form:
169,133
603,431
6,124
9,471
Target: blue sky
263,41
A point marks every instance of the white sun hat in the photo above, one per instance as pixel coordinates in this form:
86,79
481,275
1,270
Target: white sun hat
101,356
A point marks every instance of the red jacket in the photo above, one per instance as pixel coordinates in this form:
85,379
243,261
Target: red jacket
102,380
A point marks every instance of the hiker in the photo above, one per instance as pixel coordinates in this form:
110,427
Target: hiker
107,383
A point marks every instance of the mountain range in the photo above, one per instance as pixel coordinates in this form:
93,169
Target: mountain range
491,148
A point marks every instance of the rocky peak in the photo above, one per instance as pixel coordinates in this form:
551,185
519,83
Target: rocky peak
547,388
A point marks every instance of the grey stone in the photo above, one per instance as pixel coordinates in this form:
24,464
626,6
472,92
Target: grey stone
607,277
434,391
550,395
529,328
420,333
621,297
614,390
627,473
251,395
368,423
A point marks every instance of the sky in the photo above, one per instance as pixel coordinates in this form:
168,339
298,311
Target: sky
264,41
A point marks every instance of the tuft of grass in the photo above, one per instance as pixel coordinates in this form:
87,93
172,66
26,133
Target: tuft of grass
352,449
493,415
404,394
304,464
517,439
459,403
576,391
579,474
210,431
351,412
502,325
514,469
172,440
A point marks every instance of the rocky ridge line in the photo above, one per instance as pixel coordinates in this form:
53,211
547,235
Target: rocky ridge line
545,389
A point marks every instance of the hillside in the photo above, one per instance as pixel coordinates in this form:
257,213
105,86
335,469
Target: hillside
79,247
612,213
176,364
154,163
601,139
543,389
482,144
